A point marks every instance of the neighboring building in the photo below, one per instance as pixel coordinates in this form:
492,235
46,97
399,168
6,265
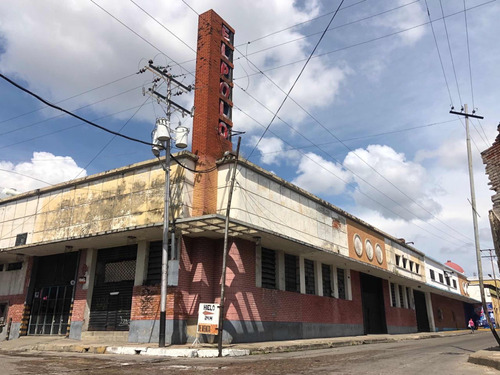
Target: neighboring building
491,294
84,256
491,157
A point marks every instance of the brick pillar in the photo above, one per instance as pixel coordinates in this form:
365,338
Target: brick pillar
212,123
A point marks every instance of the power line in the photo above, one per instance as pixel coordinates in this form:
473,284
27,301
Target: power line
451,54
301,23
297,79
439,53
254,148
275,115
468,55
69,98
71,113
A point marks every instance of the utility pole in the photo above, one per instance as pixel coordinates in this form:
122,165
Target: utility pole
464,113
225,251
161,140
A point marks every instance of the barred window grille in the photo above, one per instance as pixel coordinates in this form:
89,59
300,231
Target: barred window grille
309,276
401,297
119,271
393,295
268,261
326,274
292,283
341,283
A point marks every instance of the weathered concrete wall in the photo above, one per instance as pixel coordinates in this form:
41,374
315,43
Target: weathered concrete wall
12,282
264,200
126,197
408,267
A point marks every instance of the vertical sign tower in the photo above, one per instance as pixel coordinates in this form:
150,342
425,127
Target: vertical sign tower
212,123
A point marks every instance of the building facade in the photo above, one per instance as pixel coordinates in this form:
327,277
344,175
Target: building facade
85,256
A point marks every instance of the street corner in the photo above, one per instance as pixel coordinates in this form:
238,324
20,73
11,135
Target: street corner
488,357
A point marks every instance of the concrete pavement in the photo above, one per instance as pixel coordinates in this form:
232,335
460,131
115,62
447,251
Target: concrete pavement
490,357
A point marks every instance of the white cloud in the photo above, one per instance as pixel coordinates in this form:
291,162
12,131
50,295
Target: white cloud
405,18
44,169
390,184
320,176
273,151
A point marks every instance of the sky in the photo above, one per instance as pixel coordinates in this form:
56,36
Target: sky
366,125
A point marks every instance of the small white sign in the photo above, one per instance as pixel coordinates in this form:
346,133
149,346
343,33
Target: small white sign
208,318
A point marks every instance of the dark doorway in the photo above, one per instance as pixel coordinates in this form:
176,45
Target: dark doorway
52,294
113,287
421,312
372,298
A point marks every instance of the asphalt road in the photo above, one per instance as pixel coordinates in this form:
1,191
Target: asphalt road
446,355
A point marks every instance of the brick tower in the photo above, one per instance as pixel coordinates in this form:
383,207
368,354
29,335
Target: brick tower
212,124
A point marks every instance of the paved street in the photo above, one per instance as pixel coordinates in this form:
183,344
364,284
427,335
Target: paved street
447,355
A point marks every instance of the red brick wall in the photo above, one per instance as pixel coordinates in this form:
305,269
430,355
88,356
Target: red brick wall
207,143
397,316
448,313
80,294
201,274
16,302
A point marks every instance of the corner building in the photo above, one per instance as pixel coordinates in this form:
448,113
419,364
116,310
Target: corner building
83,258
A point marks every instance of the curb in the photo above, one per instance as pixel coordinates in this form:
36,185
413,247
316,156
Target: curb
489,358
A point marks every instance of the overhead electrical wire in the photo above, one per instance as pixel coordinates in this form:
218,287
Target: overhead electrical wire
198,14
358,176
297,79
71,113
69,98
451,53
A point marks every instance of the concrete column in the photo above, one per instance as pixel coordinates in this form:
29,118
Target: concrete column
348,289
302,275
318,278
141,263
90,261
281,269
430,311
335,282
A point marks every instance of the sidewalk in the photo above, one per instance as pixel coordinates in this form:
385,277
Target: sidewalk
489,358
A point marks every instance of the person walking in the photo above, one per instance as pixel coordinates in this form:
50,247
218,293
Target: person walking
471,325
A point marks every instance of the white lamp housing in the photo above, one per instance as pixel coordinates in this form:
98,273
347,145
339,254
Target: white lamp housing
181,136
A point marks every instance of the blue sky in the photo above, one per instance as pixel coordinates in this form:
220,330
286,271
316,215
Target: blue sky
366,127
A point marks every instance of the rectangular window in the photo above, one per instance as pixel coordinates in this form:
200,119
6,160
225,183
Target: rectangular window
292,281
268,268
401,296
309,276
14,266
21,239
154,262
404,262
433,275
411,265
408,297
455,284
398,259
441,280
341,283
326,274
417,268
3,313
448,280
393,295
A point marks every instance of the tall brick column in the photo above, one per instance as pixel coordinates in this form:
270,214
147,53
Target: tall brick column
212,125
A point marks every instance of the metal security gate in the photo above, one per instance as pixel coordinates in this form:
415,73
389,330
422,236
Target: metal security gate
52,288
372,297
112,295
421,312
50,311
